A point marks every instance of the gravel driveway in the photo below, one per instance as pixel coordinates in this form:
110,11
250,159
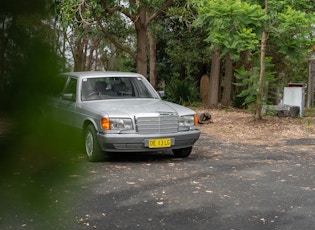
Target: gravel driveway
226,183
221,186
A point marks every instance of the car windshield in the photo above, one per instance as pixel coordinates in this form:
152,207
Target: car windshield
115,87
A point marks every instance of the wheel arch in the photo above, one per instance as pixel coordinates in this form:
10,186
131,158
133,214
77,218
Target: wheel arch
86,123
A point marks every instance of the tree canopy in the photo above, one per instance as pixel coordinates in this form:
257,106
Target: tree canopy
171,39
279,28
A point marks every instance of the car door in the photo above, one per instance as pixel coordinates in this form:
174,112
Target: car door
66,104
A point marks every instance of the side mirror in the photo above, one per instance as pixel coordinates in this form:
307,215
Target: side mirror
68,96
161,93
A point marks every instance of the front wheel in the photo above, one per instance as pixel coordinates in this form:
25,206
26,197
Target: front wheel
180,153
92,148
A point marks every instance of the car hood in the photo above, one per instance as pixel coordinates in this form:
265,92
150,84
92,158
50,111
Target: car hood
132,107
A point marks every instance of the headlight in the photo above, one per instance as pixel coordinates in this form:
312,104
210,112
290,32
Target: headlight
116,123
120,123
187,121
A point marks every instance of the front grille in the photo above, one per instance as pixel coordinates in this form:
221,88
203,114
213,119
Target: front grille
160,124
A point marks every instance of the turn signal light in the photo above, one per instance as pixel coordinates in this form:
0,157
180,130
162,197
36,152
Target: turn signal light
196,119
105,123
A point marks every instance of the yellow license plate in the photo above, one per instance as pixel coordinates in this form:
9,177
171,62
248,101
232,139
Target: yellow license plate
160,143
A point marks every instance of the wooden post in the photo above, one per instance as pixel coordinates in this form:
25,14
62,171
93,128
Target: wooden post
204,88
311,79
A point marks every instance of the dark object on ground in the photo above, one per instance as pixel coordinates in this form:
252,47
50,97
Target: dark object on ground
204,118
282,110
292,111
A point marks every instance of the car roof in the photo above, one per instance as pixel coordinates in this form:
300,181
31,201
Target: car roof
93,74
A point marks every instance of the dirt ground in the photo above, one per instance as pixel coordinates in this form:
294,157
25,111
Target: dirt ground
243,174
233,125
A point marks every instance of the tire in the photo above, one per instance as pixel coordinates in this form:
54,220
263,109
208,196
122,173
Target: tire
180,153
92,149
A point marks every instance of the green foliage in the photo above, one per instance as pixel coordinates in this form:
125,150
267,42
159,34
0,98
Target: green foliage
248,80
22,32
181,91
236,26
232,25
79,21
293,30
250,83
30,151
292,68
180,46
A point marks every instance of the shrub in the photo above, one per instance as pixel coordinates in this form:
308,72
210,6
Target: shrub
181,91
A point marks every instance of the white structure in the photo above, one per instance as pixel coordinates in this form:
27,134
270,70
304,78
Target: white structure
294,96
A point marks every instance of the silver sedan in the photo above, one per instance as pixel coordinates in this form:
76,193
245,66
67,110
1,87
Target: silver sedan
122,112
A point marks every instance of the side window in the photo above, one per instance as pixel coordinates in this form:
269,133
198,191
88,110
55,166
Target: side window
141,89
58,86
71,86
70,90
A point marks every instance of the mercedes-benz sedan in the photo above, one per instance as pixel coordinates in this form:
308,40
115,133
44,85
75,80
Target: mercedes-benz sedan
121,112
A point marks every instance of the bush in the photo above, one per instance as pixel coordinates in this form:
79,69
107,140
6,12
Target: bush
249,81
181,91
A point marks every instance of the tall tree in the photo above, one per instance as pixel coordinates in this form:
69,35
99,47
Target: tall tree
260,94
226,97
235,18
152,51
141,14
289,24
79,34
214,85
285,25
114,17
181,48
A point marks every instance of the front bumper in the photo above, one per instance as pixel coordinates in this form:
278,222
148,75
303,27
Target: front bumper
138,143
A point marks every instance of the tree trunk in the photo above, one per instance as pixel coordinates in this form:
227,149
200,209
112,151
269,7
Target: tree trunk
311,79
84,63
78,55
141,57
261,76
141,21
112,61
260,95
213,100
226,98
152,43
92,58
